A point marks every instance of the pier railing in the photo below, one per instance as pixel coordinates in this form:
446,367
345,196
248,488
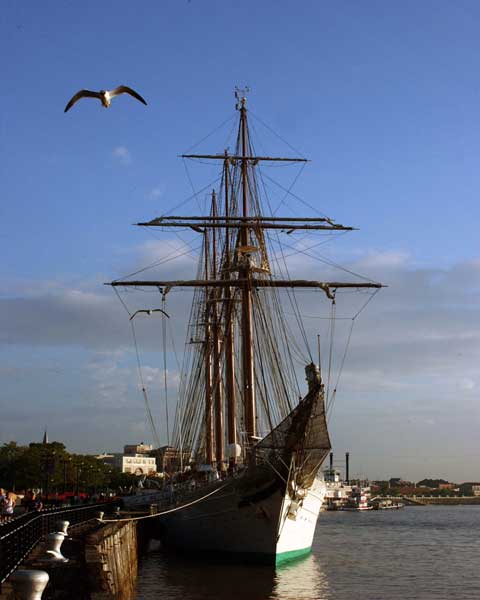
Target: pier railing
20,535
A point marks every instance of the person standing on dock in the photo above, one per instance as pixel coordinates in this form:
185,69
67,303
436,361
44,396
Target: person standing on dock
8,505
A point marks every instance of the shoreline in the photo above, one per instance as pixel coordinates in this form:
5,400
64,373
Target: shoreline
446,501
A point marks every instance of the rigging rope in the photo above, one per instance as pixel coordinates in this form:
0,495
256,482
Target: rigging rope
122,302
165,512
144,391
331,401
233,116
164,339
290,193
256,117
282,201
328,262
330,350
194,195
191,184
157,263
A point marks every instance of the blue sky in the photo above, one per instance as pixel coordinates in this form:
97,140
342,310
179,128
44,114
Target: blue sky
383,97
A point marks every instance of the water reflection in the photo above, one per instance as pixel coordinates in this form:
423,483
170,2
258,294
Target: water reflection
302,579
169,577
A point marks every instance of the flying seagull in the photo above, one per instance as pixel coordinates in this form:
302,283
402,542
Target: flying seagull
149,311
105,96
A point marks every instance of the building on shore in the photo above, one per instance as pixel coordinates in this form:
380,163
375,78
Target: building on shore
135,459
137,449
170,459
470,488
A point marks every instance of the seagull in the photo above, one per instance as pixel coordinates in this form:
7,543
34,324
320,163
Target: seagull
149,311
105,96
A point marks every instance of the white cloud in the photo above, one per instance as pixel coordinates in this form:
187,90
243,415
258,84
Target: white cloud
154,378
466,383
384,260
156,192
122,154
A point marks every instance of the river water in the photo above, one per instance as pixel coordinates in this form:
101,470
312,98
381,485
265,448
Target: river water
423,553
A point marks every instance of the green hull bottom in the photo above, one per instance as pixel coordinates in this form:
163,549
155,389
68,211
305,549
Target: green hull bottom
284,557
258,558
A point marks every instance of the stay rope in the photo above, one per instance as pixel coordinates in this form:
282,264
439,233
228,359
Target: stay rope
165,382
144,391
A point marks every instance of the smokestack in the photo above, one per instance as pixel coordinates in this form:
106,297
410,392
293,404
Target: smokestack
347,466
331,461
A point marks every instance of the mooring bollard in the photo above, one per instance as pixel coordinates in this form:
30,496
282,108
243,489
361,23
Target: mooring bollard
53,554
100,515
62,527
29,585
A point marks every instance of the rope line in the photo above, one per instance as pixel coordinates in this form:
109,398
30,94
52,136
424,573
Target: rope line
330,352
176,254
122,302
144,391
165,512
164,341
331,401
256,117
188,150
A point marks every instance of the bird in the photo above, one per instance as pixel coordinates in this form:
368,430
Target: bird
105,96
149,311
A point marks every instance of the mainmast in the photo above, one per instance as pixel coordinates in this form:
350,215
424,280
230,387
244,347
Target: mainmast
228,336
217,371
246,274
208,363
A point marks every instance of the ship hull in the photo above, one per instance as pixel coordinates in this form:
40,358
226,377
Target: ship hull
269,528
267,511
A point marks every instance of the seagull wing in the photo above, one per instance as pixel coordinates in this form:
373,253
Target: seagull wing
162,311
136,313
82,94
123,89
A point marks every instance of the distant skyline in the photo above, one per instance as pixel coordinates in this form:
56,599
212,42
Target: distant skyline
383,98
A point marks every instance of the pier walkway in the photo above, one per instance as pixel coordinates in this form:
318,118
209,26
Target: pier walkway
19,536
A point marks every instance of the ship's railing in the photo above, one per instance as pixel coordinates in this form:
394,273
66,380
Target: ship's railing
20,535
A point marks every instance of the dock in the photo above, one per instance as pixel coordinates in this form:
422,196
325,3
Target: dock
93,560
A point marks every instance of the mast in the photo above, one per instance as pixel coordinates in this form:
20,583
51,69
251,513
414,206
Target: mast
245,273
228,339
208,366
217,379
231,277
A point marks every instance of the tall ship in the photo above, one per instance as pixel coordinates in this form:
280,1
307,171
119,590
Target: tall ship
250,434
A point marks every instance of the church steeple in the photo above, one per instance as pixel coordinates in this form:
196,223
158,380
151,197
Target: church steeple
45,437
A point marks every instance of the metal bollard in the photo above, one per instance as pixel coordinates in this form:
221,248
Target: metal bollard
29,585
62,527
53,554
100,515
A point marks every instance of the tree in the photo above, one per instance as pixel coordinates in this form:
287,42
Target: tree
10,454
